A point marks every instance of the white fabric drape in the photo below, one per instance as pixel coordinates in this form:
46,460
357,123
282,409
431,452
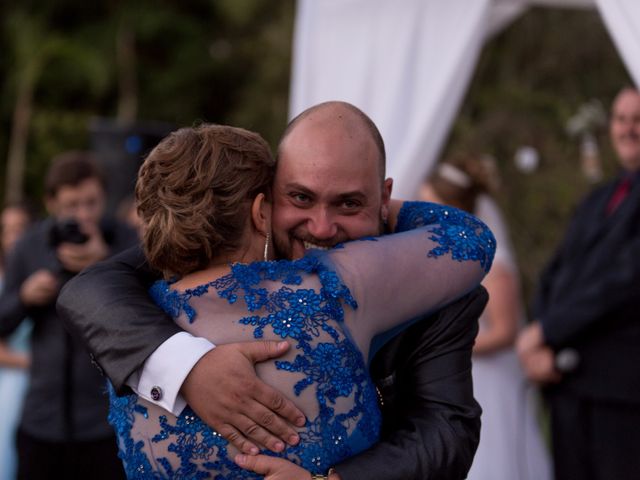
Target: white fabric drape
406,64
622,18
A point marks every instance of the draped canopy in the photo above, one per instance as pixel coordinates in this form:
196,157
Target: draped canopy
408,64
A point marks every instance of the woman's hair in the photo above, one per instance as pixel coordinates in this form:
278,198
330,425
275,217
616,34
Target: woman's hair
194,194
459,179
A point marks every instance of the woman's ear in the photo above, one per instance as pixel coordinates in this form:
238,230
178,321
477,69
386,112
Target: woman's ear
261,214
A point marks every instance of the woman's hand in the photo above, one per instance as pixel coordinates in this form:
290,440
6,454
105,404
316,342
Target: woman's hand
272,468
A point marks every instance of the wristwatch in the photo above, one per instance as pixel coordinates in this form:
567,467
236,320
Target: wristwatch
322,477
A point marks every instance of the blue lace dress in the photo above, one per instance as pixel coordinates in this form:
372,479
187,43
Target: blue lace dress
328,305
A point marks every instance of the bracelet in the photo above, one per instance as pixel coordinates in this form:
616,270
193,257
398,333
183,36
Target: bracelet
322,477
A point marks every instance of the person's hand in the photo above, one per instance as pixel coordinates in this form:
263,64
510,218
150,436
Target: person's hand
539,366
273,468
531,338
76,257
536,358
223,389
39,289
12,359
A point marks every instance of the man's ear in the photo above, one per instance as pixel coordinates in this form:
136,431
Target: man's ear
387,186
261,214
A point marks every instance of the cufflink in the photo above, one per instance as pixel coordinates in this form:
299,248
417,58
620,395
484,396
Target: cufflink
156,393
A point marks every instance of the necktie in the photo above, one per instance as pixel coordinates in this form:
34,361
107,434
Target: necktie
619,195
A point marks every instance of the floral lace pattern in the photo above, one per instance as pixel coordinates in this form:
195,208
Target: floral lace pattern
335,368
457,232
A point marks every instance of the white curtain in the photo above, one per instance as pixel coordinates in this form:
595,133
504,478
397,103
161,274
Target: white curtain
622,18
407,64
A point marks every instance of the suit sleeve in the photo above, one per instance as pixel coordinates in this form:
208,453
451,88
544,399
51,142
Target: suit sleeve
432,427
108,307
614,288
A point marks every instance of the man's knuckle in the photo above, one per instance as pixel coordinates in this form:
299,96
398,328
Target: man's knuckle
267,419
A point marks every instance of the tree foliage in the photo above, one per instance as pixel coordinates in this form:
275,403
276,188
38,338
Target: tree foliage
192,61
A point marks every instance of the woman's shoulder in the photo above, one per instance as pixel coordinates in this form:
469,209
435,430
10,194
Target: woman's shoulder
256,283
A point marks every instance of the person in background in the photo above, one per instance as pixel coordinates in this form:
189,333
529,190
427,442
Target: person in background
14,359
510,447
63,429
584,344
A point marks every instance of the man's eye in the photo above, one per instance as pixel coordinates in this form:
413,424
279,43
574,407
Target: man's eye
350,204
300,197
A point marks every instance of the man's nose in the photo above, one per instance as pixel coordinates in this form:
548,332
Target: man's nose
322,225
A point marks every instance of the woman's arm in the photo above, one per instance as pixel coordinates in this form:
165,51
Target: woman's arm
500,321
441,254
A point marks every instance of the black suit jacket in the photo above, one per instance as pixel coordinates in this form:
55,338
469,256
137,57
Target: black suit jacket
431,421
589,296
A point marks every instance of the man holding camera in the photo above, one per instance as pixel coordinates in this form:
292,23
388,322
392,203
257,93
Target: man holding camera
63,430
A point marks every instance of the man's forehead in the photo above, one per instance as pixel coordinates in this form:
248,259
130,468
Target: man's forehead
627,101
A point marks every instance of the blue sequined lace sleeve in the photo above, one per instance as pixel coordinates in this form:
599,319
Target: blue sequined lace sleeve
453,225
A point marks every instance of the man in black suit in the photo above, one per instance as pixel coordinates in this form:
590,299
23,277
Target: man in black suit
585,344
432,423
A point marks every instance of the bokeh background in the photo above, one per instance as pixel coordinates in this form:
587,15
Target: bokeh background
68,67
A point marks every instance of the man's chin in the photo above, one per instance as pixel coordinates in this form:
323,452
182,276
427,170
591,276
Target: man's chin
293,250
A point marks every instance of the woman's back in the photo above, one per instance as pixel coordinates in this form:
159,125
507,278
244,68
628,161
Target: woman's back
306,302
326,374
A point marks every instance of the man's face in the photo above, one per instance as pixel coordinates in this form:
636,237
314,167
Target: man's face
84,202
625,129
327,189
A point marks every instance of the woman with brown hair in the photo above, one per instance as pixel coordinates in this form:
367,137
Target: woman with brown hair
204,197
510,443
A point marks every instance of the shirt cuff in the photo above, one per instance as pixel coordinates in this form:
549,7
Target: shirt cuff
163,373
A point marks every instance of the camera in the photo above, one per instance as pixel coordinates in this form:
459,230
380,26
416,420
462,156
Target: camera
66,231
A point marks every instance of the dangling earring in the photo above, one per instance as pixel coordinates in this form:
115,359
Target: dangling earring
266,247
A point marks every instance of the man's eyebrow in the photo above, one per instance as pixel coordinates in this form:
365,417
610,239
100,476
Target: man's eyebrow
298,187
354,194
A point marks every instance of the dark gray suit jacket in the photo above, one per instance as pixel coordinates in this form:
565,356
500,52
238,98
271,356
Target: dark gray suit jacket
589,296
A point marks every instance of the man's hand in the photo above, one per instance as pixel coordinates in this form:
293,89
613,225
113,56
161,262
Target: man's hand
76,257
537,359
223,389
531,338
275,468
39,289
